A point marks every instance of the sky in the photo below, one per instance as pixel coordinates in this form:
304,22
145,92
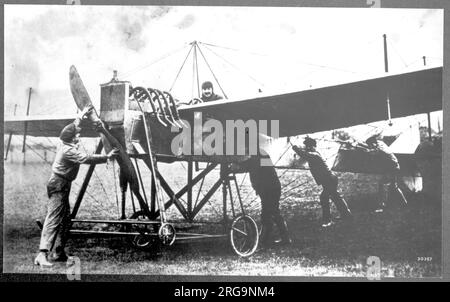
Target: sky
251,50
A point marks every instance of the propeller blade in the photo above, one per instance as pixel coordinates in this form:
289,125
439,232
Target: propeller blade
79,92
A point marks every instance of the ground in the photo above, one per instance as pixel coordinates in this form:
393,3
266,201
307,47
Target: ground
407,241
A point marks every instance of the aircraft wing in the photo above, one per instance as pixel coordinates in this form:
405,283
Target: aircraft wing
49,126
334,107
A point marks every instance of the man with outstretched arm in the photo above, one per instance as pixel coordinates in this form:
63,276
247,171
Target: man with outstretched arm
323,176
64,170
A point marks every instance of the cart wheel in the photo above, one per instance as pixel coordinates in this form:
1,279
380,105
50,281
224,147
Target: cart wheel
167,234
244,236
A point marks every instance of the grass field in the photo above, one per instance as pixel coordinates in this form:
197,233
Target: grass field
398,237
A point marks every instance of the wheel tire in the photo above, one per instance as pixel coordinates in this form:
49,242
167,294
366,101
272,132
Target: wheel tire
144,240
244,236
167,234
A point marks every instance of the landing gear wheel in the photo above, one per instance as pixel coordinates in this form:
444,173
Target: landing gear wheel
244,236
144,240
142,229
167,234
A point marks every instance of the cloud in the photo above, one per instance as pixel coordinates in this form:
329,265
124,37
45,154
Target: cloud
430,13
131,32
160,12
41,42
187,22
288,28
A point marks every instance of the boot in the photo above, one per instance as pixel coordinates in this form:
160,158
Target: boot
284,233
264,240
42,261
59,255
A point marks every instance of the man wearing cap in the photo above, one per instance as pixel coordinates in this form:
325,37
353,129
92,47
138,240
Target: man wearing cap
323,176
208,94
388,184
64,170
265,182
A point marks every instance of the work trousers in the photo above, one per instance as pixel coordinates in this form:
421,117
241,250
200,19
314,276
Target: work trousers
270,213
57,220
390,193
330,192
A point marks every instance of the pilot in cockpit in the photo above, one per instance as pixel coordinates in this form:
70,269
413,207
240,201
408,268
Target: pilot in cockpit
208,94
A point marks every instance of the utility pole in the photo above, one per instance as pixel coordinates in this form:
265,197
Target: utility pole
26,125
10,137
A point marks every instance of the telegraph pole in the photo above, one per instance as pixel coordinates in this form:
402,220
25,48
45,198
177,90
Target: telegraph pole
10,137
386,64
26,125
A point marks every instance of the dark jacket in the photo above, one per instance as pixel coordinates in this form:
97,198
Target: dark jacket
390,160
213,97
66,165
264,179
317,165
68,159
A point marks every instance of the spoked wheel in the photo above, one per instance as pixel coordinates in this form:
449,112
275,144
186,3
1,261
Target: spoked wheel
244,236
144,240
167,234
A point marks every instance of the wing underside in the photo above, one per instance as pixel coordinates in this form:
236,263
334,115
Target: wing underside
300,112
41,126
336,106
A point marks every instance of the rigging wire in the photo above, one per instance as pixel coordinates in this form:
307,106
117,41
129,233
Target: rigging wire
322,138
248,194
235,67
49,140
234,49
277,55
243,179
287,149
212,72
165,56
398,54
98,178
181,68
42,146
284,186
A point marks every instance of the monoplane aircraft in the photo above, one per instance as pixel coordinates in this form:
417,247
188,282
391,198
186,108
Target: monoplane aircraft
143,123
